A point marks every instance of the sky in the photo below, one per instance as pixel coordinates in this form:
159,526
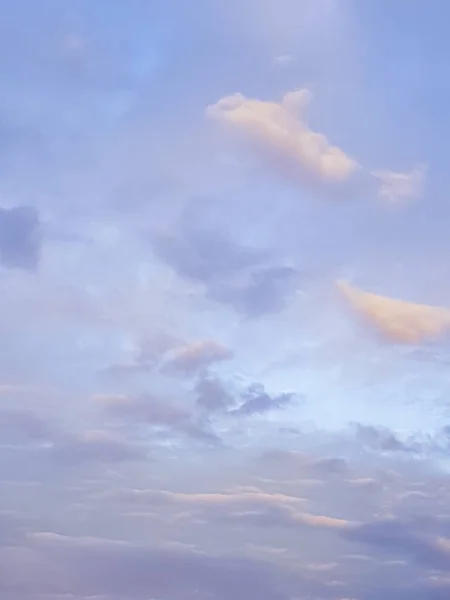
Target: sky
224,300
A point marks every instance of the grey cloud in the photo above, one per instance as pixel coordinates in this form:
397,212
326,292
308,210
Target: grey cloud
383,439
293,461
121,570
261,291
149,411
24,427
442,440
256,400
214,395
200,250
20,237
333,465
233,273
415,591
12,529
57,567
159,417
446,431
402,538
203,256
96,446
18,143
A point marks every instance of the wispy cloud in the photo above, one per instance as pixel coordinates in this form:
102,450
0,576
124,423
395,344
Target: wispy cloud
397,189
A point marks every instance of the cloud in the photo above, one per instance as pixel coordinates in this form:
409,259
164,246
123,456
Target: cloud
227,398
23,427
384,440
59,567
209,536
284,516
239,500
95,446
251,508
399,188
258,292
279,131
400,537
195,357
106,568
147,411
12,529
170,356
255,400
247,278
200,252
212,394
284,59
169,258
397,320
208,247
299,462
20,237
208,405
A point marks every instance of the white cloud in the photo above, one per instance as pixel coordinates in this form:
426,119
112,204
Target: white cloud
284,59
398,188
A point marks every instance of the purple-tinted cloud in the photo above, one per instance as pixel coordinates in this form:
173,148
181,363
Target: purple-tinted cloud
20,237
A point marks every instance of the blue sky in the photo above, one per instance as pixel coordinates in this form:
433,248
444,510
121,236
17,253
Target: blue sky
224,300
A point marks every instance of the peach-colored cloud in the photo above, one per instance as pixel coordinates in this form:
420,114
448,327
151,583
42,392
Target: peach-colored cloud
256,497
399,321
280,134
282,508
197,355
280,131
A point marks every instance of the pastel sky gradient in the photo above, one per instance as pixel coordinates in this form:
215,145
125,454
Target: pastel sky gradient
224,300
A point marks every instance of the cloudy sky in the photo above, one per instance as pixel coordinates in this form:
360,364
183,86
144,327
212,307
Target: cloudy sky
224,300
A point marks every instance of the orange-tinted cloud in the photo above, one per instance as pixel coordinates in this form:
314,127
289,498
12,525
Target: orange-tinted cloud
399,321
249,506
281,133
